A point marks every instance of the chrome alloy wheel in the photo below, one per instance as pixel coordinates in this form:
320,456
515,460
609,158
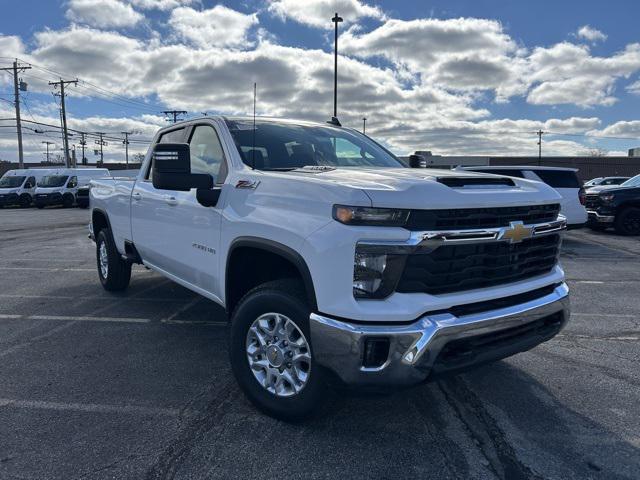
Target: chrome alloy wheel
104,260
279,355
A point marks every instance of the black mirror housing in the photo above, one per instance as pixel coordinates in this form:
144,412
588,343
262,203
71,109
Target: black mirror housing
172,169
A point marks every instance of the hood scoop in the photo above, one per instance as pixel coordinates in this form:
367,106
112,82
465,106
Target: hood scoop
475,182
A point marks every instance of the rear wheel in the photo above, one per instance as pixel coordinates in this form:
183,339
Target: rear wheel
271,351
25,200
114,272
628,221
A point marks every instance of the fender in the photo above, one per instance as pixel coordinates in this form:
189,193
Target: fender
279,249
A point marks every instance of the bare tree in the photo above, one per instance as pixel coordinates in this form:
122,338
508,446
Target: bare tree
595,152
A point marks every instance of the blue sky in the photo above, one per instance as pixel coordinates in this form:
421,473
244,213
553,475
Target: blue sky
454,77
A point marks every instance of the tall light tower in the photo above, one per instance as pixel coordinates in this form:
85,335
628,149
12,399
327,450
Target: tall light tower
336,20
364,125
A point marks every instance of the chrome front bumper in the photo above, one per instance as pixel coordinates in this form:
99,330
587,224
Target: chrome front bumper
414,348
595,216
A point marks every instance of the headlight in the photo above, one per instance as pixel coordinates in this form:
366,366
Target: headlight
607,197
375,273
391,217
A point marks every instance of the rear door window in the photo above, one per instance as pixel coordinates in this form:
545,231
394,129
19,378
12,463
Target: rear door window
559,178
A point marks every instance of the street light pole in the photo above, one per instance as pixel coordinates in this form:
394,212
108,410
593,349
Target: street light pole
364,125
336,19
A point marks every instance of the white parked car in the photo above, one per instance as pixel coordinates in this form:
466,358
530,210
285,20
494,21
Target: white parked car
331,258
564,180
17,187
60,187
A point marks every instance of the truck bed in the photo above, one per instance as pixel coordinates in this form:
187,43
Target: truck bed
113,197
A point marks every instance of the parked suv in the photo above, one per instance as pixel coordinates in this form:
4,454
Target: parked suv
333,260
617,207
564,180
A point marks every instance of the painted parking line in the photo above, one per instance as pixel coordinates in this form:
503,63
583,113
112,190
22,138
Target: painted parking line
90,407
87,318
46,269
130,298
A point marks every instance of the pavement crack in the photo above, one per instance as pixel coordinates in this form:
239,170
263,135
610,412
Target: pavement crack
484,429
169,461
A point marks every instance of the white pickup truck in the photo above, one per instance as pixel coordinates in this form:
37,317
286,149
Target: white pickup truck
334,261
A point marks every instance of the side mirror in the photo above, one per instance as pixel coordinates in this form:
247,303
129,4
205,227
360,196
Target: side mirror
172,169
416,161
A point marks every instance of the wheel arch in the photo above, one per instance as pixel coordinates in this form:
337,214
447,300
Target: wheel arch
99,221
263,249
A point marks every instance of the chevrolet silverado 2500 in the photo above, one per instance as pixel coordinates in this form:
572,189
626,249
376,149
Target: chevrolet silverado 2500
332,259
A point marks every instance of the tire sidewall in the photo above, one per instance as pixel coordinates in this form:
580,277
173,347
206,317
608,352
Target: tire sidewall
103,237
293,408
25,200
620,227
67,200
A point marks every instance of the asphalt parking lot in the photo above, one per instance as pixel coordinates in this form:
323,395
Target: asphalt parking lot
137,385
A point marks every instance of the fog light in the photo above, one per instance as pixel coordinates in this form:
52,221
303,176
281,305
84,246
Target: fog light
376,352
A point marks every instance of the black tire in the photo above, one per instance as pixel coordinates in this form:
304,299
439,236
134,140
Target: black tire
118,272
39,206
67,200
285,297
628,221
25,200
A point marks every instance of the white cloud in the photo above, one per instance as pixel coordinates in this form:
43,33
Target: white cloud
566,73
218,26
318,13
634,87
591,34
461,53
161,4
103,13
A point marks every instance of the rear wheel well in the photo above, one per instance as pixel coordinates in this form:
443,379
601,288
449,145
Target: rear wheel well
249,266
99,221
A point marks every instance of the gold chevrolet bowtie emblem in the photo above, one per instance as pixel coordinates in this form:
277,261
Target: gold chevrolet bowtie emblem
516,232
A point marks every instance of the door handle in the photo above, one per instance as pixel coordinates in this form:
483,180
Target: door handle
170,200
137,197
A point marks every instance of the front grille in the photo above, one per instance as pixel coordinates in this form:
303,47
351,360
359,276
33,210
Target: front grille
591,202
454,268
469,218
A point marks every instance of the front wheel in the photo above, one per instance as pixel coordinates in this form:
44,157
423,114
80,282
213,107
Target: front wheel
271,352
628,221
114,272
67,201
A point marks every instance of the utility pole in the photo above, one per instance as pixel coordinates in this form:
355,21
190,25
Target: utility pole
47,144
364,125
174,114
83,144
17,86
126,146
336,19
61,84
540,133
102,143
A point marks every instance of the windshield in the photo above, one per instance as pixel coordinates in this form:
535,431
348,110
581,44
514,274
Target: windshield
286,146
632,182
11,182
53,181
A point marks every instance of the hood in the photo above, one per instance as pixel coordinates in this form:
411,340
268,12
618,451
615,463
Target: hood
599,188
430,188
